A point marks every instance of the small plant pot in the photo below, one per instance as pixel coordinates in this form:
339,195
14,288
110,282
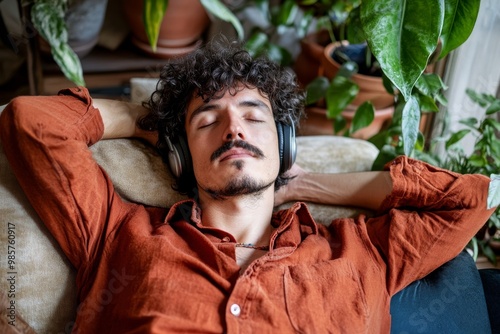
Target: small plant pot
370,88
181,30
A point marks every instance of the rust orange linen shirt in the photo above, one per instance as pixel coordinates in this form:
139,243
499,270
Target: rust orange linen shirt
148,270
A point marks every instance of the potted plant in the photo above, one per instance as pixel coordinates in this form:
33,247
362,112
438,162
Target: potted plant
163,27
68,26
403,39
484,158
271,25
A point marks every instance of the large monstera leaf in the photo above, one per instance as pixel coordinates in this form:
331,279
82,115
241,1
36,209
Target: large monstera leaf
404,34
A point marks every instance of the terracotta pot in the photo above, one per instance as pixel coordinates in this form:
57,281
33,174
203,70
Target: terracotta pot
308,63
370,88
181,30
316,122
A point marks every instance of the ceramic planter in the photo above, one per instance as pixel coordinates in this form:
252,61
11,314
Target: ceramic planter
181,30
370,88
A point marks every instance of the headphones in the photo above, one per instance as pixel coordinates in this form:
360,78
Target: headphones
180,163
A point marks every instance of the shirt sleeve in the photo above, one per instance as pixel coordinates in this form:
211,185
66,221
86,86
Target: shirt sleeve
46,139
429,217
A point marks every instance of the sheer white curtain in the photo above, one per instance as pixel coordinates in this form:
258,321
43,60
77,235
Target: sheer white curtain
475,65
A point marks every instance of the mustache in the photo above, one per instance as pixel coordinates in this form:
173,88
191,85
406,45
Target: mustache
236,143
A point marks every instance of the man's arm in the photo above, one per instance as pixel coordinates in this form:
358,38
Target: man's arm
360,189
120,120
46,139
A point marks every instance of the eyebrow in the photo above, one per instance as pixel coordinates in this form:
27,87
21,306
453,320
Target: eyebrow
245,103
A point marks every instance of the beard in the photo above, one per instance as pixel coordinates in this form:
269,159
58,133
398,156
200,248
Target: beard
240,187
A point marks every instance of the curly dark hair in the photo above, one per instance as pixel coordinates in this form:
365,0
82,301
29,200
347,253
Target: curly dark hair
209,72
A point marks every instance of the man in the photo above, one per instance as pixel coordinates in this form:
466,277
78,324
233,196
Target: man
224,262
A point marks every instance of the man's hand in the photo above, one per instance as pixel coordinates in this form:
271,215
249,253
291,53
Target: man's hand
120,120
287,192
361,189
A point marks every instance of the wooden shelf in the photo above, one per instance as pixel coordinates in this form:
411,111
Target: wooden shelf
106,73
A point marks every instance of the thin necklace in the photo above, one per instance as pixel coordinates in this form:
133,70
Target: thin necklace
264,248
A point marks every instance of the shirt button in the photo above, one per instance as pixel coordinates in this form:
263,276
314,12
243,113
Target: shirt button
235,310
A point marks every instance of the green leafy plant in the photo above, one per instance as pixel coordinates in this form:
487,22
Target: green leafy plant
48,19
483,159
274,20
404,37
154,10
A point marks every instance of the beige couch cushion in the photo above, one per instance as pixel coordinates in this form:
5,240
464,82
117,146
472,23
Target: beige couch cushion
44,280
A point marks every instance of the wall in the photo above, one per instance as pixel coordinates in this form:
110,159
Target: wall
475,65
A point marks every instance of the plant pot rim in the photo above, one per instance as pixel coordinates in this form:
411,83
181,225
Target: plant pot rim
329,59
166,52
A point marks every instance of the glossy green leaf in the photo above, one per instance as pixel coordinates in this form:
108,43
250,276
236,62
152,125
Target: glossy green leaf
493,107
219,10
256,42
308,2
477,161
340,93
386,154
410,124
430,84
48,20
278,54
402,35
355,33
488,252
286,13
380,139
494,191
469,122
495,220
364,116
69,63
339,124
481,99
456,137
152,16
459,20
388,84
348,69
426,103
492,123
316,90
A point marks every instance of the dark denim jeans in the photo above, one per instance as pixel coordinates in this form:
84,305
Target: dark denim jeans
449,300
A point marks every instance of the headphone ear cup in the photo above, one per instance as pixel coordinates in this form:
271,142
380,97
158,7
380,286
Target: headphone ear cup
287,145
279,131
179,158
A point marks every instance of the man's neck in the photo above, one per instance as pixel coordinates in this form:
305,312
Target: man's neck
247,218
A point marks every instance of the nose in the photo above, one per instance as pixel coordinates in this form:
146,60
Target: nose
234,129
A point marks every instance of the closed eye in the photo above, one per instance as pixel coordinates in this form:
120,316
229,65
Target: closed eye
206,125
255,120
